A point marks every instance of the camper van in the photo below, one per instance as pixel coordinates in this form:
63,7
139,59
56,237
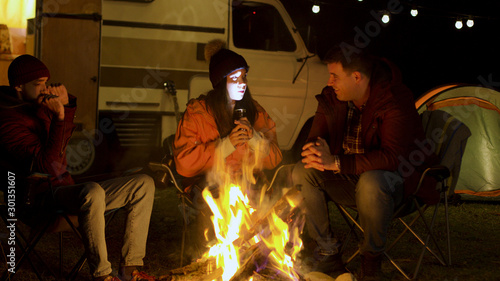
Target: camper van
150,62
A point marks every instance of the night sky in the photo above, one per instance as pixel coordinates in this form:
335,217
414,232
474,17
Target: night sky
428,48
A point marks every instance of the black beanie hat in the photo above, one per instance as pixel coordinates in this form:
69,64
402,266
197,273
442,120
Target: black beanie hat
222,61
26,68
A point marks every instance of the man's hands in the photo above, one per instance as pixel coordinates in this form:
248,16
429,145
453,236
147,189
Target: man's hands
242,133
317,155
54,97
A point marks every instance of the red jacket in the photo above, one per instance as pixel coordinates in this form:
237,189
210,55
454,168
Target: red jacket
31,140
197,137
391,129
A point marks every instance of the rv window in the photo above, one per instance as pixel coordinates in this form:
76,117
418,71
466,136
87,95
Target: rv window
259,26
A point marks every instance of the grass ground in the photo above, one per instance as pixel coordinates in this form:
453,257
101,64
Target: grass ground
475,230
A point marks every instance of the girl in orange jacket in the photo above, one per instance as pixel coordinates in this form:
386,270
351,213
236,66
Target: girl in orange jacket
208,124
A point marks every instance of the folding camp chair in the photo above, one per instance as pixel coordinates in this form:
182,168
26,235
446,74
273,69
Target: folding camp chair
55,221
449,137
410,205
164,173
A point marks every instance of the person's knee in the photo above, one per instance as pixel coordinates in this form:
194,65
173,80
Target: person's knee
146,184
302,176
92,194
374,193
377,181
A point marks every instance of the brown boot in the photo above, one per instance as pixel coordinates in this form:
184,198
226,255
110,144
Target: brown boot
371,267
331,265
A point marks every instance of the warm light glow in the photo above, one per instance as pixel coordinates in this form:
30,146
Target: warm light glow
470,22
459,24
14,13
238,225
414,12
386,18
315,9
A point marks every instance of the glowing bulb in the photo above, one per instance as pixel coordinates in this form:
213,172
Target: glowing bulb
459,24
315,9
385,18
470,22
414,12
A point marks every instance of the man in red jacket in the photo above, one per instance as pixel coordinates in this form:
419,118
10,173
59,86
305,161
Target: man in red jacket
36,123
357,154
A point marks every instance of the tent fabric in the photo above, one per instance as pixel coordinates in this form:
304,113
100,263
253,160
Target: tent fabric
478,108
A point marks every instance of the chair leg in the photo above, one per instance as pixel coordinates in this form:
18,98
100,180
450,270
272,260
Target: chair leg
447,227
30,245
184,229
429,229
391,260
77,268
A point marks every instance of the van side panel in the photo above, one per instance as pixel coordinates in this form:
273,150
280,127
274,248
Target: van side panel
145,44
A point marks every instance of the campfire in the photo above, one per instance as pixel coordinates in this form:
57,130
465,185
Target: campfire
255,242
257,236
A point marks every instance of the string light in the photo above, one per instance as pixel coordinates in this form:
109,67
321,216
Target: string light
414,12
470,22
315,9
385,17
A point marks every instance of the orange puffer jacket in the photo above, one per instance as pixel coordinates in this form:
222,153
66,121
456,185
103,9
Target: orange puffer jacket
197,137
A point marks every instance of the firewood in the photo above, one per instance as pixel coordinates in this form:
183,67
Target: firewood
282,208
257,257
204,270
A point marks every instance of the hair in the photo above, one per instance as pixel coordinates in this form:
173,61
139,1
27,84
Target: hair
218,104
351,60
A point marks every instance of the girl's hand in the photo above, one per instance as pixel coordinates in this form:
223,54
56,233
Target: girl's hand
242,133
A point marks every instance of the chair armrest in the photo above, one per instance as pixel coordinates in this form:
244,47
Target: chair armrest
439,172
276,174
38,177
161,167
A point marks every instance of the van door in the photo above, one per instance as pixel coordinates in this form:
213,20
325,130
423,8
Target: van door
262,33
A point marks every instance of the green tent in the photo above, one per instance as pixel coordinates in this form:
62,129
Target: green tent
479,109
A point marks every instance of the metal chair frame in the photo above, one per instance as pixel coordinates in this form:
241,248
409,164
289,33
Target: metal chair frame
410,206
27,245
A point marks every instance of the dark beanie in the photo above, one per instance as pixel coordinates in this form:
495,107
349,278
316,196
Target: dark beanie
26,68
222,61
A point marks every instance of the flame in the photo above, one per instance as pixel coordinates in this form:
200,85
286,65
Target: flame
232,216
227,225
235,220
278,242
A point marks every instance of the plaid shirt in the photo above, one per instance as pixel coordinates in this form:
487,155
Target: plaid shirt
353,144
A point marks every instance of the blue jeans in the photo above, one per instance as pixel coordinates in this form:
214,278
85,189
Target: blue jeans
135,194
374,194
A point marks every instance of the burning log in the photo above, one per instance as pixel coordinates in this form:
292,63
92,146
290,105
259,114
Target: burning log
257,254
197,271
284,208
